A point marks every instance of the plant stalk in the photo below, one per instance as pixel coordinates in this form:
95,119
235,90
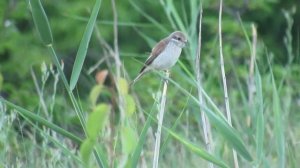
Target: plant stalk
205,122
228,114
160,121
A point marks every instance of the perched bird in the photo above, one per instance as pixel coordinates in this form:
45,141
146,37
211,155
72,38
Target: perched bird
165,54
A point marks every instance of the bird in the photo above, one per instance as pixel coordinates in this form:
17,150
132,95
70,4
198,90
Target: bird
164,54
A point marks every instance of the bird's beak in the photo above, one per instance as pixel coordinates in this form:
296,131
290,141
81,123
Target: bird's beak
186,43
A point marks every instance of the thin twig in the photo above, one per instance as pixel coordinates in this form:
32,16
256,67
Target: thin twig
228,114
116,46
160,121
117,61
205,122
40,93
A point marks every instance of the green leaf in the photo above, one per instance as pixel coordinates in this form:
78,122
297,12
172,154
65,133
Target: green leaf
123,86
81,54
128,139
86,149
130,105
96,120
94,94
41,22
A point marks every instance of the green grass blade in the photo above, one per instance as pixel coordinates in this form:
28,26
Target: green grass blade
245,32
279,131
78,111
177,18
58,143
260,121
151,19
195,149
27,114
229,133
31,116
167,137
168,14
199,151
142,139
81,54
41,22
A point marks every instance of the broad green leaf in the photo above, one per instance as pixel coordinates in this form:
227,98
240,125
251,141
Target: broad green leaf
97,120
41,21
123,86
129,140
86,149
94,94
129,105
81,54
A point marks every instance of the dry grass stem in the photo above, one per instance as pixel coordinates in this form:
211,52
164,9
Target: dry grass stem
251,85
228,114
205,122
117,61
160,121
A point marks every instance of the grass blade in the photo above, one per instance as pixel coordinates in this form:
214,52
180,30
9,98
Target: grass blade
142,139
228,132
81,54
260,121
27,114
199,151
216,120
279,131
42,25
195,149
177,18
41,22
150,18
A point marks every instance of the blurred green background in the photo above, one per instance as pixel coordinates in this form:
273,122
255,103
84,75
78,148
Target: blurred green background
25,70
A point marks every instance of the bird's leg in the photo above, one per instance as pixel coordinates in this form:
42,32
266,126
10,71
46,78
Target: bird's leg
167,75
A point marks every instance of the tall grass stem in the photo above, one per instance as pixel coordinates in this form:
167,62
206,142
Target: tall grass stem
228,114
205,122
160,121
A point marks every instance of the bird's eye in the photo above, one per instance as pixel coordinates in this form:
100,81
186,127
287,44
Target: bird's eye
177,38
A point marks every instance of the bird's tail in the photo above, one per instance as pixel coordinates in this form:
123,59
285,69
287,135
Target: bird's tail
137,78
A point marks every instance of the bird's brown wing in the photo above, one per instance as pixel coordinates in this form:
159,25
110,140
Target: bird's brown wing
157,49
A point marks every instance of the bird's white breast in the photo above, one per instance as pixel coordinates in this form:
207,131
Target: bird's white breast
168,57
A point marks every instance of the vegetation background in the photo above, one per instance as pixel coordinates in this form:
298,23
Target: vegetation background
62,126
